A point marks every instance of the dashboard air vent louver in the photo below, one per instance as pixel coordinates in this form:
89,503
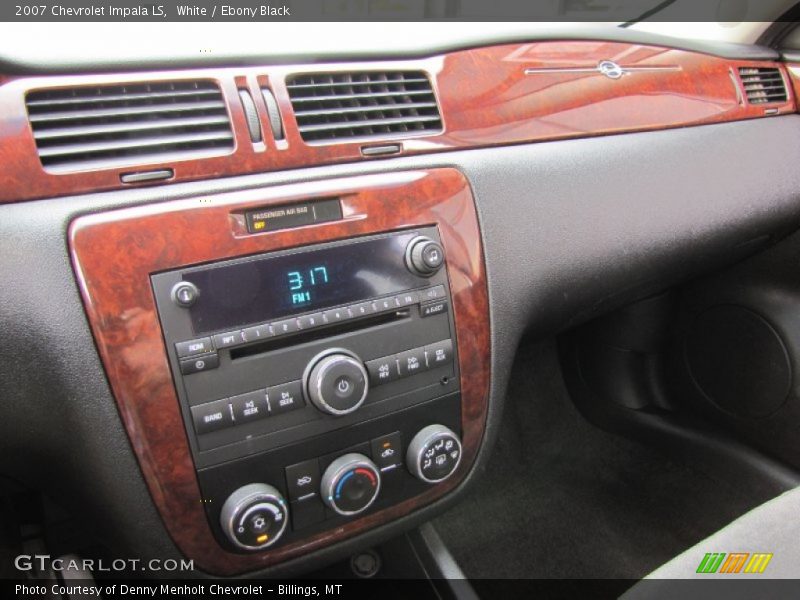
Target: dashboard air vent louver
102,126
763,85
343,106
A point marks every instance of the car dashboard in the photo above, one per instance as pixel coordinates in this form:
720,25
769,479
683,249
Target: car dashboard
259,316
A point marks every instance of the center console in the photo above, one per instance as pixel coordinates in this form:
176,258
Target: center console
297,364
308,380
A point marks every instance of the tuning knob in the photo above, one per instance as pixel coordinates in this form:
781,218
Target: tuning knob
336,382
424,256
434,454
350,484
254,516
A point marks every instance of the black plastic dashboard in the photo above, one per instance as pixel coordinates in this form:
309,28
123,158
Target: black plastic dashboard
569,230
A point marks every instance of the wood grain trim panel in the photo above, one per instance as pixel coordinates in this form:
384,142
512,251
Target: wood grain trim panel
114,254
485,96
793,73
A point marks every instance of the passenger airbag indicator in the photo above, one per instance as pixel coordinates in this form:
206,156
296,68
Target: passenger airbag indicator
272,218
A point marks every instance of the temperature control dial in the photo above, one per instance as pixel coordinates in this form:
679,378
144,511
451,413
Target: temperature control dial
336,382
434,454
424,256
350,484
254,516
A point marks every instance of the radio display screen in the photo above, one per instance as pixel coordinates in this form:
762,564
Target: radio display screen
267,288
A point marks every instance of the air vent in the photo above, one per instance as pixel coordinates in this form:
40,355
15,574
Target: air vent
103,126
763,85
344,106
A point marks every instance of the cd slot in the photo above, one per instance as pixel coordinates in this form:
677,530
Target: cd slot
301,337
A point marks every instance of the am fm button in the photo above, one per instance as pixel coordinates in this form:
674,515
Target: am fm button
212,416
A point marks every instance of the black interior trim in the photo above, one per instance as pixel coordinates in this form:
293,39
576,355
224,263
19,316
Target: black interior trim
560,250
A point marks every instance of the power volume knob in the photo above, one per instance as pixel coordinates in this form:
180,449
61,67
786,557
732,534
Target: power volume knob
336,382
424,256
254,516
434,454
350,484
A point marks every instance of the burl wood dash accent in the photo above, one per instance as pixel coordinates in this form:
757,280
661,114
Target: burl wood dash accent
115,252
793,71
485,96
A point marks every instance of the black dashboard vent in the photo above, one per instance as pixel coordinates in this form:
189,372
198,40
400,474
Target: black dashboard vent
763,85
103,126
345,106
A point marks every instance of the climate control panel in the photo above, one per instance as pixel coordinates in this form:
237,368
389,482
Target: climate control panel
319,484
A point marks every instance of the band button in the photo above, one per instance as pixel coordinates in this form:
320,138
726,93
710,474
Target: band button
212,416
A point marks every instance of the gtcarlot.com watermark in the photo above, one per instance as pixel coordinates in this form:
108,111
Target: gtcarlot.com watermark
42,562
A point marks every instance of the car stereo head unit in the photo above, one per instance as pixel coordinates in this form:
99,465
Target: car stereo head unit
301,366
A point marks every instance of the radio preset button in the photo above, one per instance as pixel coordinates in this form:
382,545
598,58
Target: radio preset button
337,314
192,347
250,407
259,332
385,304
285,397
302,479
226,340
284,327
406,299
212,416
310,321
382,370
412,362
440,353
198,364
362,309
434,293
